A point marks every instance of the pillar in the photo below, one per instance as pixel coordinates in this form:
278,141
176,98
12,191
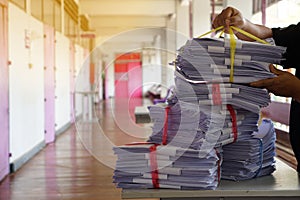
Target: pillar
201,17
182,22
169,51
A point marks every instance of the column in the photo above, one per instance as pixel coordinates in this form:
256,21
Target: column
201,17
182,22
170,50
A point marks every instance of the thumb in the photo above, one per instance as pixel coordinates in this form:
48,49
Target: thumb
274,70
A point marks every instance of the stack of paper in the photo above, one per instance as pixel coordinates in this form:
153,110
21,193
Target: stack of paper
188,125
208,111
208,59
243,96
249,158
152,166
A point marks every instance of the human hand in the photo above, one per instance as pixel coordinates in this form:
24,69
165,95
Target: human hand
229,17
284,84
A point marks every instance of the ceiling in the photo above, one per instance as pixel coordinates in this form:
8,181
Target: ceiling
109,17
137,22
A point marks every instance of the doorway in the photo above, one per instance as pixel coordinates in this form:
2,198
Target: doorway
128,76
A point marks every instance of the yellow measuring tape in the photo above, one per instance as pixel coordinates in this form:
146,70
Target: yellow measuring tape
233,43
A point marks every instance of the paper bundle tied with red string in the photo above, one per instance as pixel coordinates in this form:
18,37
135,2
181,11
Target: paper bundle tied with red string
209,128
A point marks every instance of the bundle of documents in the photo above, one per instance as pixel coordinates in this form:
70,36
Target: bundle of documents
239,95
209,121
187,125
251,157
156,166
208,60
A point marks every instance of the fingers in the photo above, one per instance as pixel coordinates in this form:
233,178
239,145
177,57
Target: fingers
275,71
220,19
227,12
237,21
265,83
228,17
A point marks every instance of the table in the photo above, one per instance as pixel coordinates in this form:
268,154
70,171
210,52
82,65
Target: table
284,183
90,96
142,114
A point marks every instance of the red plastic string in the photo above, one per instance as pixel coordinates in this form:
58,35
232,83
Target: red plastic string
139,143
165,133
233,119
153,165
216,94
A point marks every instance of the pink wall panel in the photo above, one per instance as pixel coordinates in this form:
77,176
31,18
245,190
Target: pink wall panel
49,83
4,118
72,82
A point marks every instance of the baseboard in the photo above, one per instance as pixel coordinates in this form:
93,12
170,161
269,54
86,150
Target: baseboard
18,163
63,129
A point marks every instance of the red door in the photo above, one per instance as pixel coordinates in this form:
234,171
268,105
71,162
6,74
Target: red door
49,83
121,80
134,79
128,76
4,123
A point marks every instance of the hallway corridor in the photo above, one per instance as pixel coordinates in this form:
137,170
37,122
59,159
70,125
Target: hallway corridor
66,170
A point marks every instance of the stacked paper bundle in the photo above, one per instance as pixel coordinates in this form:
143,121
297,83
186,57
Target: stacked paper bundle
205,76
212,108
208,59
249,158
187,125
155,166
249,98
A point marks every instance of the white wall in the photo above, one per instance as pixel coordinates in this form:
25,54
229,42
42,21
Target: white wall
280,14
245,6
98,60
152,64
182,24
109,75
128,41
98,79
26,86
201,17
62,81
26,81
170,52
82,77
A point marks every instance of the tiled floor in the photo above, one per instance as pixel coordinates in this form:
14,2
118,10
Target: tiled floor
79,165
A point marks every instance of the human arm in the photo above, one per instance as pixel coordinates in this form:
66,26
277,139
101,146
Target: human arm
232,17
284,84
